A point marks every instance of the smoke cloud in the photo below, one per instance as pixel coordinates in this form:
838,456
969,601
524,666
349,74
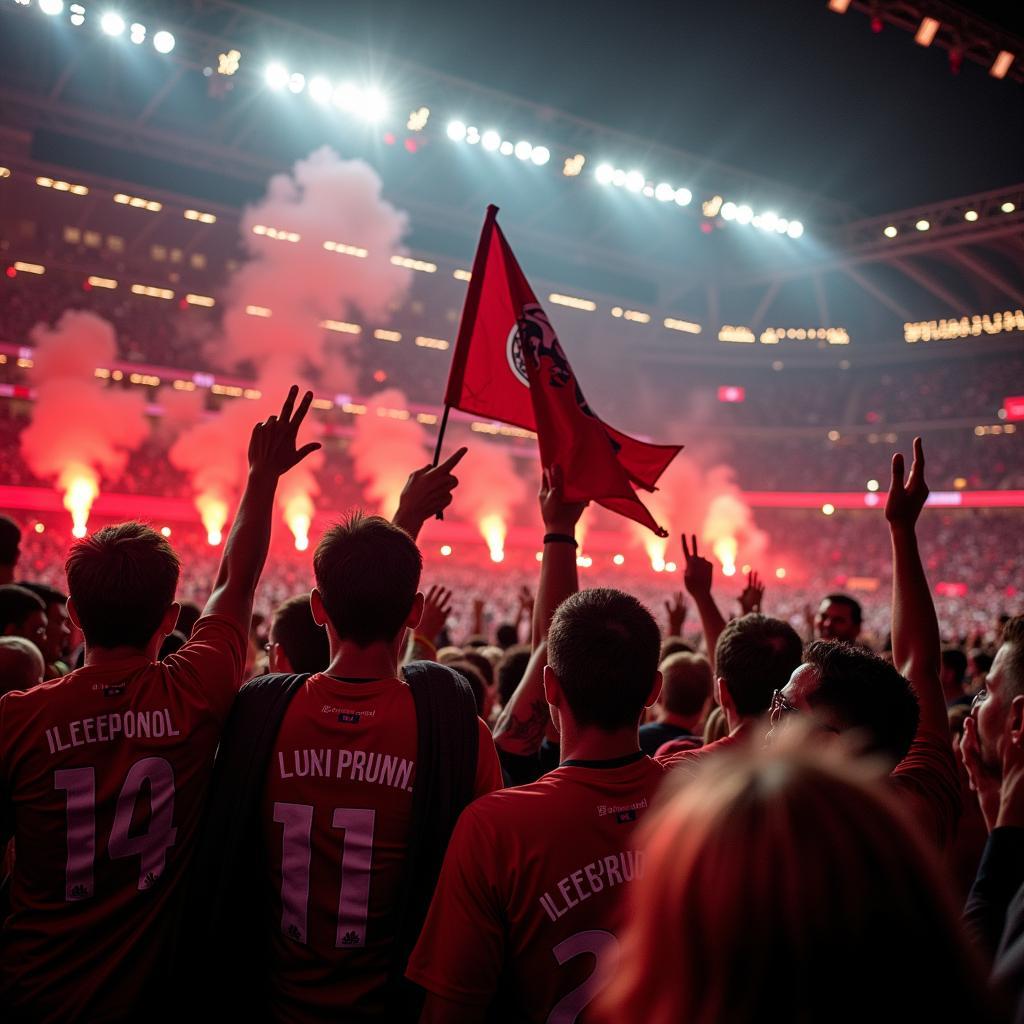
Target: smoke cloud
81,430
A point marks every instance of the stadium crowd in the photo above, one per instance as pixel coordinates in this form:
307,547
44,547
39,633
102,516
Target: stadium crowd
398,796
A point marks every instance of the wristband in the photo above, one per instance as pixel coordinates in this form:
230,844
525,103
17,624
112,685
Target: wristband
560,538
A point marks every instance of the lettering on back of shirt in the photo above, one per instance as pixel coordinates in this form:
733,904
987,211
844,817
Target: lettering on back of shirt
347,716
623,812
354,765
591,879
156,725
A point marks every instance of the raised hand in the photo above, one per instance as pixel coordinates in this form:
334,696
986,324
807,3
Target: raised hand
427,492
436,608
698,572
753,594
984,779
272,450
906,499
559,515
676,611
525,603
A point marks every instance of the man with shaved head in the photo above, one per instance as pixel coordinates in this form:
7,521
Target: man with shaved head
21,664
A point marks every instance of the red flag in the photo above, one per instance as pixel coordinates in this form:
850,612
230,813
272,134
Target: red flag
509,365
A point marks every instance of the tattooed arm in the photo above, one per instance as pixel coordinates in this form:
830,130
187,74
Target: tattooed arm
521,724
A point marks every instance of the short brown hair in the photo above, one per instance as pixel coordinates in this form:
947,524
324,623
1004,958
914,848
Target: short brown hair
1013,634
367,572
756,655
122,580
686,683
303,641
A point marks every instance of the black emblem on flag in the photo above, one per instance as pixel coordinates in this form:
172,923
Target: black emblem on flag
624,816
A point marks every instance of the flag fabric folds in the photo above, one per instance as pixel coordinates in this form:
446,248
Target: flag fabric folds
509,365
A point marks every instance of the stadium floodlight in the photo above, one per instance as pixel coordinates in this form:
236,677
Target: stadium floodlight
782,226
795,229
163,42
768,220
744,214
347,97
490,140
684,196
297,82
922,225
604,174
112,23
77,15
137,33
373,105
506,148
540,155
51,7
634,181
664,192
1008,207
320,90
456,130
728,211
1001,65
276,76
524,150
618,177
472,135
890,231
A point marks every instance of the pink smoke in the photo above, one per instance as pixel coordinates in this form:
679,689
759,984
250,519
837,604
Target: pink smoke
82,430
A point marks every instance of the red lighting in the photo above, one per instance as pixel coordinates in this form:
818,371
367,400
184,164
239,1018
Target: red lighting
1014,406
11,272
389,139
380,376
707,227
410,145
86,287
182,304
945,589
876,24
731,393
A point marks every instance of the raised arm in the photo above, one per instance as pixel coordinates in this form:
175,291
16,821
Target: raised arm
915,629
272,452
558,576
697,576
427,491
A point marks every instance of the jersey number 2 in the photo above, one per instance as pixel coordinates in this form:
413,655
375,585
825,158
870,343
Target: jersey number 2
356,858
604,947
150,846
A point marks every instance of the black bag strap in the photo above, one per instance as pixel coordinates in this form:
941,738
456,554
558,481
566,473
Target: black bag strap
446,766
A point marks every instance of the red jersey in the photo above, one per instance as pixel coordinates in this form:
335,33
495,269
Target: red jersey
528,900
107,769
337,807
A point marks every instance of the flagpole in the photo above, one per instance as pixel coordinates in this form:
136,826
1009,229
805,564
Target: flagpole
440,437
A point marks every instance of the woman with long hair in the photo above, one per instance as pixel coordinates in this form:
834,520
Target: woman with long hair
782,884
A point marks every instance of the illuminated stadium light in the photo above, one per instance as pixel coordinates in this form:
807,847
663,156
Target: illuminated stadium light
795,229
506,148
490,140
740,335
382,335
374,105
540,155
276,233
296,82
462,275
683,197
276,76
971,215
890,231
572,301
112,23
1008,207
200,300
456,131
711,207
227,63
138,202
964,327
573,166
728,211
839,6
137,33
29,268
664,192
926,31
744,214
687,326
1001,65
618,177
426,418
472,135
152,292
634,181
636,316
203,218
320,90
446,550
77,15
828,508
346,250
101,282
604,174
619,559
872,485
418,119
51,7
768,220
62,186
260,311
437,343
922,225
5,172
524,150
782,227
341,327
410,264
